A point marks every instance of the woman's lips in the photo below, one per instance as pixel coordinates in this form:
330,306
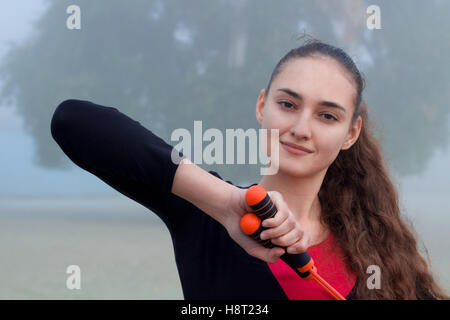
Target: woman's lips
295,149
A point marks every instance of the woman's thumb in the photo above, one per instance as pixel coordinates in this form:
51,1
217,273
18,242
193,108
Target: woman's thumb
269,255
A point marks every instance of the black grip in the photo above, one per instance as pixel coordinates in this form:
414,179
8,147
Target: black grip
266,209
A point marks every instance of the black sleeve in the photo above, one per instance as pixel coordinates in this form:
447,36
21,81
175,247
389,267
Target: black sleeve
119,151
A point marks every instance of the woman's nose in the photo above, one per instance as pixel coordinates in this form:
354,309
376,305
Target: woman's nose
301,128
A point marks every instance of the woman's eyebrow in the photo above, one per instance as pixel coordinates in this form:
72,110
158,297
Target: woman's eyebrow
322,103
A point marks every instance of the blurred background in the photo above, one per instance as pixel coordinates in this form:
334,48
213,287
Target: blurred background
166,63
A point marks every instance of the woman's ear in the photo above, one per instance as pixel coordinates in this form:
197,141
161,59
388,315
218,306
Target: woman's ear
260,105
353,134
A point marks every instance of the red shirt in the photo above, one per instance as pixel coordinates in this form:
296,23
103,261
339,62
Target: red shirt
328,261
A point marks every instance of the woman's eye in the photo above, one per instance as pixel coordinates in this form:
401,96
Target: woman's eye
329,117
326,116
290,105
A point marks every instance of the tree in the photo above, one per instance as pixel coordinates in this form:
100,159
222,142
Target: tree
168,63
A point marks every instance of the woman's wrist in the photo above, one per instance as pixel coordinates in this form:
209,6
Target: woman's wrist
202,189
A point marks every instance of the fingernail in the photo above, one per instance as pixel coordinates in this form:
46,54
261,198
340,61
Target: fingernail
262,236
292,250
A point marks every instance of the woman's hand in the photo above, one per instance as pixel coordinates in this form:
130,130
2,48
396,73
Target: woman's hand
285,231
236,208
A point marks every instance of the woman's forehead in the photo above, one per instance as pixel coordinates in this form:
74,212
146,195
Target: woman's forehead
317,78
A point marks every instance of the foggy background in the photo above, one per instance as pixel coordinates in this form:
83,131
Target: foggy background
166,64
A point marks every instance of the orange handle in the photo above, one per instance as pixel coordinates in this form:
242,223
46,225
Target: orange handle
258,199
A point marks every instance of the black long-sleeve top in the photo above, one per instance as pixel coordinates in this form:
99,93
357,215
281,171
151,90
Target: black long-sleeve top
137,163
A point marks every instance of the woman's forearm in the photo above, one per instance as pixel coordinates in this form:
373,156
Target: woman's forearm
202,189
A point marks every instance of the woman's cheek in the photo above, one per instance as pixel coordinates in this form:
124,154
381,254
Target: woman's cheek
329,150
273,138
273,133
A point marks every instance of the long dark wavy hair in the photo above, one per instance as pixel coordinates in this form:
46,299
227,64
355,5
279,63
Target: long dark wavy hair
360,204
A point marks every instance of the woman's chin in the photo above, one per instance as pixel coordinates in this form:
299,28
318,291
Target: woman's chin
296,169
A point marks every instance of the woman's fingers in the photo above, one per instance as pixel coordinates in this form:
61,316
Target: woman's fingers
282,208
274,254
269,255
288,239
283,229
300,246
286,227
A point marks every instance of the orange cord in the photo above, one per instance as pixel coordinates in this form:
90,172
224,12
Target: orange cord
321,281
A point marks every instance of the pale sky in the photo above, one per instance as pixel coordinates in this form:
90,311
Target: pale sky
17,146
15,26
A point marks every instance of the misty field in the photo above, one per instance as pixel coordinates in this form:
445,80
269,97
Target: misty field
124,250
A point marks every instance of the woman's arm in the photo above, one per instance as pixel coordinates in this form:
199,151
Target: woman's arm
223,202
138,164
120,151
207,192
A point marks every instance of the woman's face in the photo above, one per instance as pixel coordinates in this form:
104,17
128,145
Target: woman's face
310,102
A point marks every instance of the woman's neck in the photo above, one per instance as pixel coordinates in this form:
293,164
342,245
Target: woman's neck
300,194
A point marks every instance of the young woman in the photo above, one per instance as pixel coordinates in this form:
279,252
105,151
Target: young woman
332,190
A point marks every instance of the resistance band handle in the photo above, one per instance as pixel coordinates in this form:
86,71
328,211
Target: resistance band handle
258,199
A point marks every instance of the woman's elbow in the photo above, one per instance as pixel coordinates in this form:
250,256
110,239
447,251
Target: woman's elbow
60,118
